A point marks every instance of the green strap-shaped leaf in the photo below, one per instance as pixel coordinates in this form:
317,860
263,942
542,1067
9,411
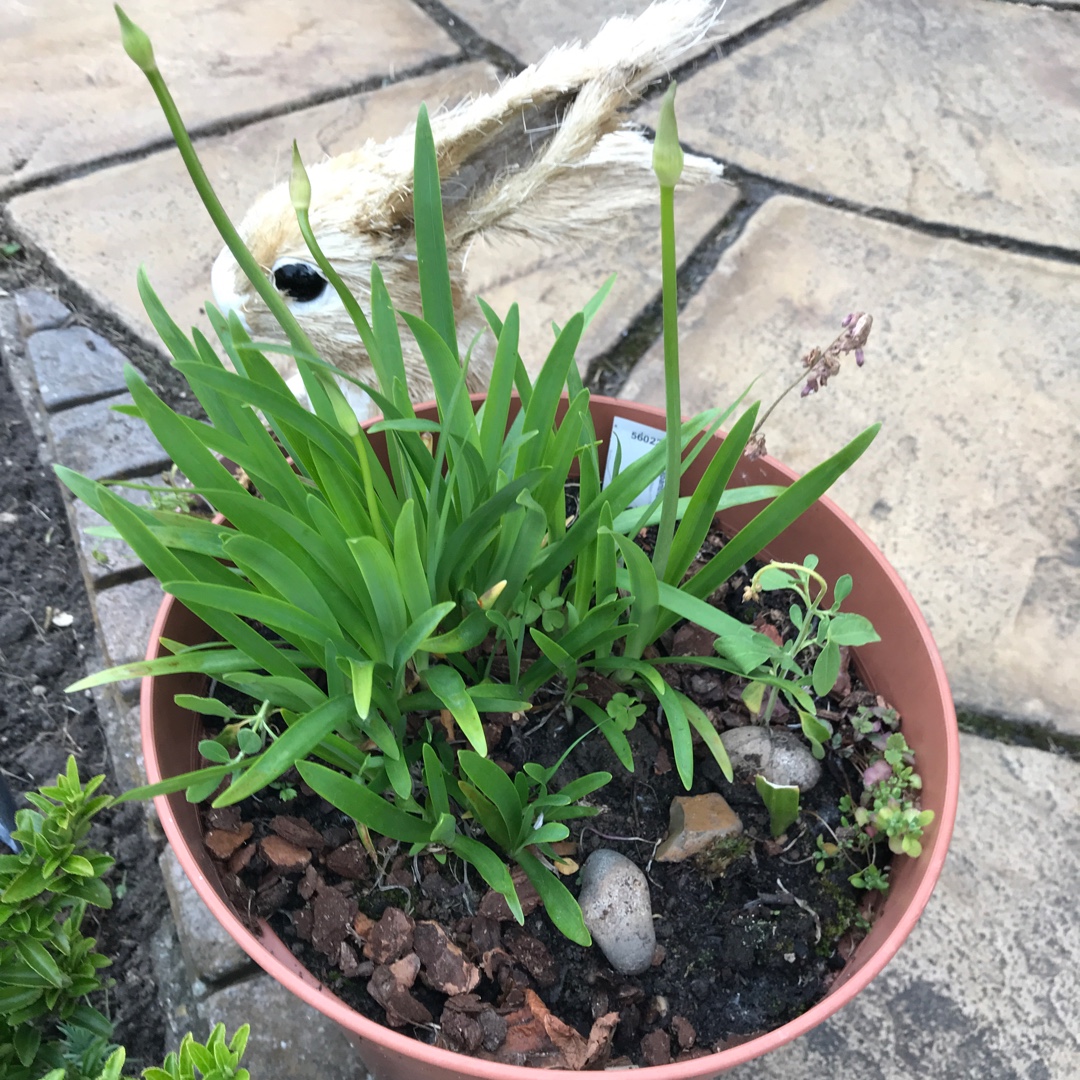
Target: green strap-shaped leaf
436,294
279,615
266,565
609,729
704,727
645,591
381,579
744,647
412,577
492,869
563,910
754,537
419,632
363,805
449,687
466,635
207,662
698,517
678,725
435,781
497,787
496,407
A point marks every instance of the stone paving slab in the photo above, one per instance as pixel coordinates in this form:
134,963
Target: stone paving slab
550,285
69,94
100,228
528,30
150,212
972,489
40,310
105,557
987,985
126,615
964,113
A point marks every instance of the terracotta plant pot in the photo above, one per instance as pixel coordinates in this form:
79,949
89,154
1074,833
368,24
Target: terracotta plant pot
904,667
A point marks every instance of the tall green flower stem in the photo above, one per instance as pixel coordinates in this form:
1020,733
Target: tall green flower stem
319,385
668,166
300,197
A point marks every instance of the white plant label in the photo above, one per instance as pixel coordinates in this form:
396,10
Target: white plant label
630,441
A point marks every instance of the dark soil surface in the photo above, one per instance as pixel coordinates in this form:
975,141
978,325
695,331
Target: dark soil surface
749,935
41,652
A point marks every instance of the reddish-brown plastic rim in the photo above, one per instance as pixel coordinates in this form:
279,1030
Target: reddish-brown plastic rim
904,667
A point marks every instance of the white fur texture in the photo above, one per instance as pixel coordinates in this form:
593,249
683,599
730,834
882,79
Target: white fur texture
546,156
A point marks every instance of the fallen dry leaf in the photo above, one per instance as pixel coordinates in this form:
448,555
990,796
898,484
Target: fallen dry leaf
600,1038
446,720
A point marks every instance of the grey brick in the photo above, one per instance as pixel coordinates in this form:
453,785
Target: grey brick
125,614
105,557
288,1038
102,444
209,953
73,365
120,723
39,310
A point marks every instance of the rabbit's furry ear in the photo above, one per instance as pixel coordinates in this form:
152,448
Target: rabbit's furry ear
547,155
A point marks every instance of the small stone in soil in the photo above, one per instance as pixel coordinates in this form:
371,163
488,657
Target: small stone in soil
617,910
778,755
696,821
348,861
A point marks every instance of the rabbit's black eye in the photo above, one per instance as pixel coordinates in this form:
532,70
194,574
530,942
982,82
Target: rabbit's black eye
300,281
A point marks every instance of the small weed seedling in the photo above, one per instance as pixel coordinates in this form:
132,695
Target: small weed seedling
820,632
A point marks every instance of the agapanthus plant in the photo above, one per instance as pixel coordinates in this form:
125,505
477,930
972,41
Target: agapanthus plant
364,579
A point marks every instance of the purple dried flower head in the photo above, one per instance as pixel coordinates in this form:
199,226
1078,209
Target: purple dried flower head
755,448
860,357
857,329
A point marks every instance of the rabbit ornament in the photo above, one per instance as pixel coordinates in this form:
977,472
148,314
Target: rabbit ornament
547,156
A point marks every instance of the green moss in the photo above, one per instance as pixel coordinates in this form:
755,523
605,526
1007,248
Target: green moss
721,854
845,917
1019,733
